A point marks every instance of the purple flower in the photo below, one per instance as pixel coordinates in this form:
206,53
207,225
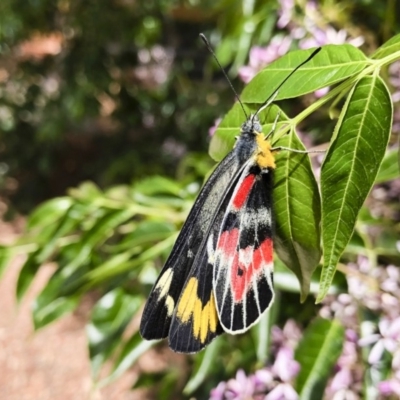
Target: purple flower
396,121
363,283
391,283
343,307
389,387
275,381
345,382
342,380
388,339
285,13
239,388
285,367
345,385
394,79
260,57
218,392
311,29
349,355
213,128
321,92
289,336
328,35
396,361
283,391
263,380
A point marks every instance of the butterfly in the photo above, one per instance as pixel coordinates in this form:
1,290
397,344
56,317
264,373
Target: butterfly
219,275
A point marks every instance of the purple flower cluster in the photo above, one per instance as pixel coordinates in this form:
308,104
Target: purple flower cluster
308,30
374,289
347,380
368,343
394,79
273,382
259,57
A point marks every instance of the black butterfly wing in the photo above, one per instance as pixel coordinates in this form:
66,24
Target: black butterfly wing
243,265
160,306
195,320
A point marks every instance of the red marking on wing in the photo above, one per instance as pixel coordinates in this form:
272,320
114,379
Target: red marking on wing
263,253
228,241
242,274
237,281
243,192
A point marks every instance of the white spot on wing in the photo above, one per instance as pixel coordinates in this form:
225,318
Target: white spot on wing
164,283
170,304
210,250
251,218
246,256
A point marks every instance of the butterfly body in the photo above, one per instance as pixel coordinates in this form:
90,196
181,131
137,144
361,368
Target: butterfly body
219,274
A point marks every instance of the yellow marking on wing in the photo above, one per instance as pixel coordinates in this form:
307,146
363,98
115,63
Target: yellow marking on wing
208,318
205,318
264,156
197,319
187,302
164,283
213,314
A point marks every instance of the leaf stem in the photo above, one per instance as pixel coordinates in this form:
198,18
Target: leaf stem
372,69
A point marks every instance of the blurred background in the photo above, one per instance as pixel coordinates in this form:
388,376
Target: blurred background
106,113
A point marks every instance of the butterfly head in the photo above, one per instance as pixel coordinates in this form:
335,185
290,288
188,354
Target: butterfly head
252,140
252,125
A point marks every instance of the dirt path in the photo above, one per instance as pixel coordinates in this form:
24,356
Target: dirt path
51,364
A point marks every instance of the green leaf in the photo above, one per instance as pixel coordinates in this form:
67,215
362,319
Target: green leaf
145,233
286,281
5,258
224,137
261,332
100,231
350,167
203,365
62,290
117,265
86,191
389,168
387,244
56,298
61,227
109,318
297,212
157,185
332,64
49,212
27,273
388,48
130,353
148,380
168,385
317,353
46,312
111,267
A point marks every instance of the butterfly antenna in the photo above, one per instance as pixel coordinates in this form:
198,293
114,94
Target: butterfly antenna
210,49
275,93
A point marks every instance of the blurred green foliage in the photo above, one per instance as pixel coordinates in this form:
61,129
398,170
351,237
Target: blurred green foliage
90,90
